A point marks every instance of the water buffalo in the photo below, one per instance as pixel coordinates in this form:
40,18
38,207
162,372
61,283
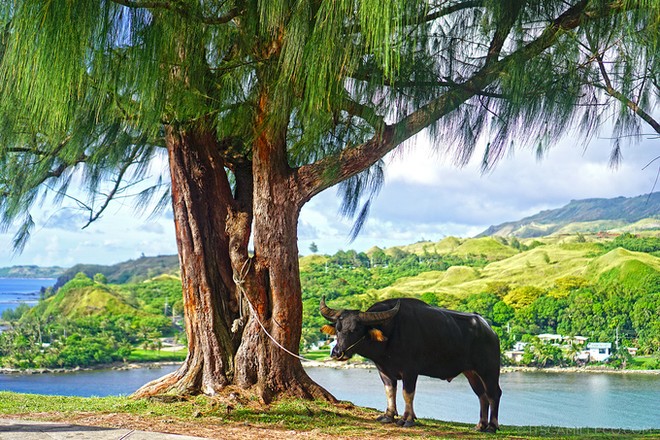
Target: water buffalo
406,338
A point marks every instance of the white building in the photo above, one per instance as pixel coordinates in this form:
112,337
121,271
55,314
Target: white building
550,338
599,351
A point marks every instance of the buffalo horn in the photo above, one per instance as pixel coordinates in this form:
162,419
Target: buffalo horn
373,318
328,313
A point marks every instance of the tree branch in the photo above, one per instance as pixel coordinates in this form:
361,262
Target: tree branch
451,9
502,32
94,216
610,90
316,177
181,10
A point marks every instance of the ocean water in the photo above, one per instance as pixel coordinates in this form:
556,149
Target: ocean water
572,400
14,291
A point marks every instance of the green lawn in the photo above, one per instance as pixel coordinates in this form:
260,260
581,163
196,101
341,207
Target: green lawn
140,355
644,363
318,355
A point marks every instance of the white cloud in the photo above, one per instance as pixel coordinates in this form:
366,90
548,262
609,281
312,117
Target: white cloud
425,197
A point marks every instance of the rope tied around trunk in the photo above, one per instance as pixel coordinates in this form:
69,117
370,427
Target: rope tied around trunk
240,321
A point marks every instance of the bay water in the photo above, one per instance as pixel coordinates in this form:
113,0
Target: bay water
14,291
573,400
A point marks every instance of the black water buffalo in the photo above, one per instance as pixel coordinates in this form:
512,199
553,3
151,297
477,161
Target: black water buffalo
406,338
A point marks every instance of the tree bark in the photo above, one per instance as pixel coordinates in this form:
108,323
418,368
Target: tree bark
201,200
268,360
222,283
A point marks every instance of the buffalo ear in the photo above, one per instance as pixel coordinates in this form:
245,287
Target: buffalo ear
329,329
377,335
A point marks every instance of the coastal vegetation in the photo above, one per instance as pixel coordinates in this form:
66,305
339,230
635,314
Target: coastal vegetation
604,289
88,322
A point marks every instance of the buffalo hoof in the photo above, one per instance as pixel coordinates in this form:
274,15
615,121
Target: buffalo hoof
406,423
385,419
486,428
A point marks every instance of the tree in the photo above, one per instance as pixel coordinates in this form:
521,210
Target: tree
261,105
313,248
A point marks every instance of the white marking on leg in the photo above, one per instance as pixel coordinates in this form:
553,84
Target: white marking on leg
408,398
390,392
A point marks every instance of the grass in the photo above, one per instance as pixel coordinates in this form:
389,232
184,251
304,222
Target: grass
140,355
209,416
318,355
644,363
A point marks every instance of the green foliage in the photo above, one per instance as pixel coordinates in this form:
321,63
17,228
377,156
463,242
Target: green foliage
16,313
539,354
522,296
635,243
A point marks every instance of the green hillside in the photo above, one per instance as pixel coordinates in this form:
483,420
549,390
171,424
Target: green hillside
130,271
540,267
599,286
85,301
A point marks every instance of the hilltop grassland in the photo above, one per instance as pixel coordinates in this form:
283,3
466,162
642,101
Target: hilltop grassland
541,267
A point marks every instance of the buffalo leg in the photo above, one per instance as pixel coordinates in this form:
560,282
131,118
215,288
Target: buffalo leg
390,393
480,390
494,393
409,384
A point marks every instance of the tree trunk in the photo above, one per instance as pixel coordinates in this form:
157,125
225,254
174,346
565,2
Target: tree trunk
201,199
221,283
267,356
269,362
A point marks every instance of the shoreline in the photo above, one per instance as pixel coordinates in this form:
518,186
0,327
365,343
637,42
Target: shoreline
117,366
121,366
503,370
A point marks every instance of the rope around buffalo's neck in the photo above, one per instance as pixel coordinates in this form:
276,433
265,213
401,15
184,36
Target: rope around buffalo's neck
239,322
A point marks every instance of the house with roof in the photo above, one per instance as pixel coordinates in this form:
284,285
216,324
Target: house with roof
599,351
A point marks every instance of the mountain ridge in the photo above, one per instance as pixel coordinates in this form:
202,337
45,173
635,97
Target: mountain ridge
585,215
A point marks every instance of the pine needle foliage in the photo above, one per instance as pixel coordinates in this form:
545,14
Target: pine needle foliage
87,86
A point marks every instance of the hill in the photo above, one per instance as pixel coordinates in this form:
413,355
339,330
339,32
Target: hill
130,271
83,297
541,267
621,214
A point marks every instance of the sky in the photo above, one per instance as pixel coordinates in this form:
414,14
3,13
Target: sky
425,197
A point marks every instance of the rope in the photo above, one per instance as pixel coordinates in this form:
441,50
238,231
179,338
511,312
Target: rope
240,321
